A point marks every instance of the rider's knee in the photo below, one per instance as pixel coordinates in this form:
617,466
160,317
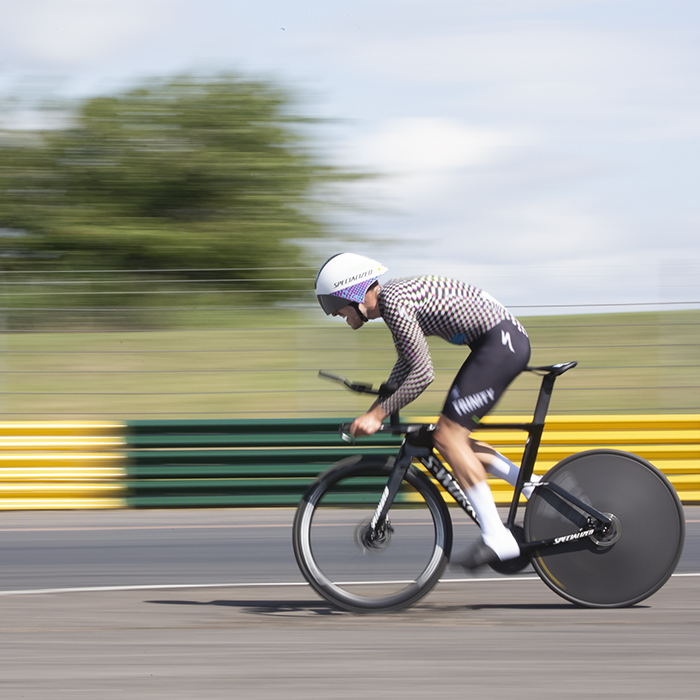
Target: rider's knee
450,435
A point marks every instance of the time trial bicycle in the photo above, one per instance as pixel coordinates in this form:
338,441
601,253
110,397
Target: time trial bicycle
603,528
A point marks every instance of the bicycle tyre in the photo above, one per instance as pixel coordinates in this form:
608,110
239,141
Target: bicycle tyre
643,548
328,544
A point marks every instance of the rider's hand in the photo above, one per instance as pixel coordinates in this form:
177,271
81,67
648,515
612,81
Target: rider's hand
369,423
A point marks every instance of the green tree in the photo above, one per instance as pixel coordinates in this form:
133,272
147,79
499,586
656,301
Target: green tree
179,174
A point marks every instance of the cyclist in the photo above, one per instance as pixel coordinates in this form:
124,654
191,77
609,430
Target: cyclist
413,308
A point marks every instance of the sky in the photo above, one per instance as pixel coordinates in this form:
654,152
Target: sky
545,150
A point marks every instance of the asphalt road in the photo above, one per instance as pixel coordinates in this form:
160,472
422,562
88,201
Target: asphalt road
210,604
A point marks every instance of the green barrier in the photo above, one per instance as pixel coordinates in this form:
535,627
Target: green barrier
220,463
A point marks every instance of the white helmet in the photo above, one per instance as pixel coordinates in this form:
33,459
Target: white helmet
344,279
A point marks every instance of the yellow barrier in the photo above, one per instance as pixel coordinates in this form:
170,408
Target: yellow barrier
61,465
670,442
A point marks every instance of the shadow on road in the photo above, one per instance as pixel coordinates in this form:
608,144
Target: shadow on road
265,607
321,608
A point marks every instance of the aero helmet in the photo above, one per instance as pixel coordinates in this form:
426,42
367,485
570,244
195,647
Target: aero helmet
344,279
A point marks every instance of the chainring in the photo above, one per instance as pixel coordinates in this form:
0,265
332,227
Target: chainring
513,566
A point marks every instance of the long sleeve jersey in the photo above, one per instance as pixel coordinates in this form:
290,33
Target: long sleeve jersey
417,307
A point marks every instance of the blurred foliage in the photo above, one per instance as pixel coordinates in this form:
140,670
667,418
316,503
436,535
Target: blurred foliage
175,175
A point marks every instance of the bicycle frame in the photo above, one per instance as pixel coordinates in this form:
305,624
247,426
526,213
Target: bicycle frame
417,444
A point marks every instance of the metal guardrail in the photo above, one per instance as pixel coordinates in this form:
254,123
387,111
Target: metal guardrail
232,463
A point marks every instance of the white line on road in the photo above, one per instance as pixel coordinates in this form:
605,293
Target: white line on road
289,584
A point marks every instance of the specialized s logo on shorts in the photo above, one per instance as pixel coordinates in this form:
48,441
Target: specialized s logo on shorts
505,340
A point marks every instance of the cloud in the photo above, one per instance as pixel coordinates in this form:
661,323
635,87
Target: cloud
539,68
71,33
417,144
545,229
419,157
513,231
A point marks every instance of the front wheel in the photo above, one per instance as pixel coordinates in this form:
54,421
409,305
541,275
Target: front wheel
637,554
393,568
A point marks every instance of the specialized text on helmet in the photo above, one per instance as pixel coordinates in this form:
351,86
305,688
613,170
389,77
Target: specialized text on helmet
354,278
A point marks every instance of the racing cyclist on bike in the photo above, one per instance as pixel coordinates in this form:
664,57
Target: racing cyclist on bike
413,308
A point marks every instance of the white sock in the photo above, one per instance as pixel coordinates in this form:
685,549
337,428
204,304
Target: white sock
527,490
503,468
495,534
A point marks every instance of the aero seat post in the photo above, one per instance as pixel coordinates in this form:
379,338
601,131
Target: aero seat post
534,439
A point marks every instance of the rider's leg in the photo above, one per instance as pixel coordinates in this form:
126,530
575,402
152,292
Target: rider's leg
496,358
453,443
499,466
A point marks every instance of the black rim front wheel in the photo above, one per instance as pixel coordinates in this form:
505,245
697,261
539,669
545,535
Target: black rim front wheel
638,552
361,570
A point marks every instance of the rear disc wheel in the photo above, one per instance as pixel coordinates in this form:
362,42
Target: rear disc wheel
634,556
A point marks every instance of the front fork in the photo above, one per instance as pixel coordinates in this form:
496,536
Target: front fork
423,452
380,521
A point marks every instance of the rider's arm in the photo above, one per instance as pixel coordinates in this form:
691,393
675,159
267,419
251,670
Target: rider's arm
413,378
413,370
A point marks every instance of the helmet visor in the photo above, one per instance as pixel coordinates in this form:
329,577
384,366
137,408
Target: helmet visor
331,303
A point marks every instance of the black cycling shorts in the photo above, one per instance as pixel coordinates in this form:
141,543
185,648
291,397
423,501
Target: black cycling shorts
496,359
